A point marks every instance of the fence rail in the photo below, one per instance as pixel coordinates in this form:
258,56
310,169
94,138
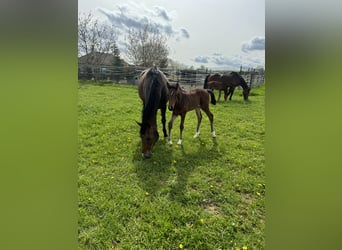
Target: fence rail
129,75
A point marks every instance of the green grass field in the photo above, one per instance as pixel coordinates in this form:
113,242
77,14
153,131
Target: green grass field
206,194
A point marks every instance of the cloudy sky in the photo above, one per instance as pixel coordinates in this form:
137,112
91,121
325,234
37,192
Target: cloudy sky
218,34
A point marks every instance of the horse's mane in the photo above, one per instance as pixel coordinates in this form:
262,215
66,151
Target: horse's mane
242,80
152,94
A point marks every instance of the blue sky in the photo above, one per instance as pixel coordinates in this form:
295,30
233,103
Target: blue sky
218,34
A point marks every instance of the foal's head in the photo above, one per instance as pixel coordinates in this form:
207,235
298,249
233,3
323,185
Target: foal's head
175,93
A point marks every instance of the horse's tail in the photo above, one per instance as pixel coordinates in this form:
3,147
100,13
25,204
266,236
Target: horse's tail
213,99
205,86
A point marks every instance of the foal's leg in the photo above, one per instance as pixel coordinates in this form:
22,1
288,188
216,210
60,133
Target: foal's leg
170,127
219,95
211,119
181,127
163,111
199,119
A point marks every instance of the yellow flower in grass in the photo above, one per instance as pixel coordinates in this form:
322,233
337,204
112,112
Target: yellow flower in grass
146,193
174,161
244,248
181,246
202,221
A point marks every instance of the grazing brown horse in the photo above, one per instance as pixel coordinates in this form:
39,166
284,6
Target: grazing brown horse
153,91
230,81
181,101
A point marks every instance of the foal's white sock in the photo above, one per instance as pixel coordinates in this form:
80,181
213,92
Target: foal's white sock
197,134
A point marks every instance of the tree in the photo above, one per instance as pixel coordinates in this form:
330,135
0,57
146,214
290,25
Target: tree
147,46
96,40
116,55
117,72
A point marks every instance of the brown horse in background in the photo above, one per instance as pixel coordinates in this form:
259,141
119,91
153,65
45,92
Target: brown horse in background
181,101
228,84
153,91
220,87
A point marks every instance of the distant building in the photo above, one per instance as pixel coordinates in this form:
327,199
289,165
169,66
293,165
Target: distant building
103,66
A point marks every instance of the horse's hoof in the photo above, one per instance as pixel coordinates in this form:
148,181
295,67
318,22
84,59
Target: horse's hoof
170,143
196,135
179,142
213,134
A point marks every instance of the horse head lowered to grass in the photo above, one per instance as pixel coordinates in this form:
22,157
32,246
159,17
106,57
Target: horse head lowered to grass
153,91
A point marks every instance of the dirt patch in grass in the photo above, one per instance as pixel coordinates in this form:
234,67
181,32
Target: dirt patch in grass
212,209
247,199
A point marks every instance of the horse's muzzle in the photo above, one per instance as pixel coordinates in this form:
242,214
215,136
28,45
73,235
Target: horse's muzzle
146,155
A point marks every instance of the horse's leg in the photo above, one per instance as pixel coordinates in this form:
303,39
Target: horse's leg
219,95
199,119
170,127
181,127
163,111
211,119
226,93
231,90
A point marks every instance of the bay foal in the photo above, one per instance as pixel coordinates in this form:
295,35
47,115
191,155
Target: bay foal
181,101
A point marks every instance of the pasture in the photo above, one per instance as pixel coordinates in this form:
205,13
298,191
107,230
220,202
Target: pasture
206,194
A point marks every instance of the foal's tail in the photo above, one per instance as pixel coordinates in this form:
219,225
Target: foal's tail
213,100
205,86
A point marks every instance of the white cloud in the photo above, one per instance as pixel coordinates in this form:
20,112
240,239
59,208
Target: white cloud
184,33
137,15
163,13
256,43
217,60
217,54
201,59
228,62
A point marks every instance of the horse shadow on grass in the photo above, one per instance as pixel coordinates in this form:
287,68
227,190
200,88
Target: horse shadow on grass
167,171
153,172
188,162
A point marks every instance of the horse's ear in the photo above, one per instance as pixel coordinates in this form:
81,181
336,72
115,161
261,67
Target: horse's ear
167,84
138,123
